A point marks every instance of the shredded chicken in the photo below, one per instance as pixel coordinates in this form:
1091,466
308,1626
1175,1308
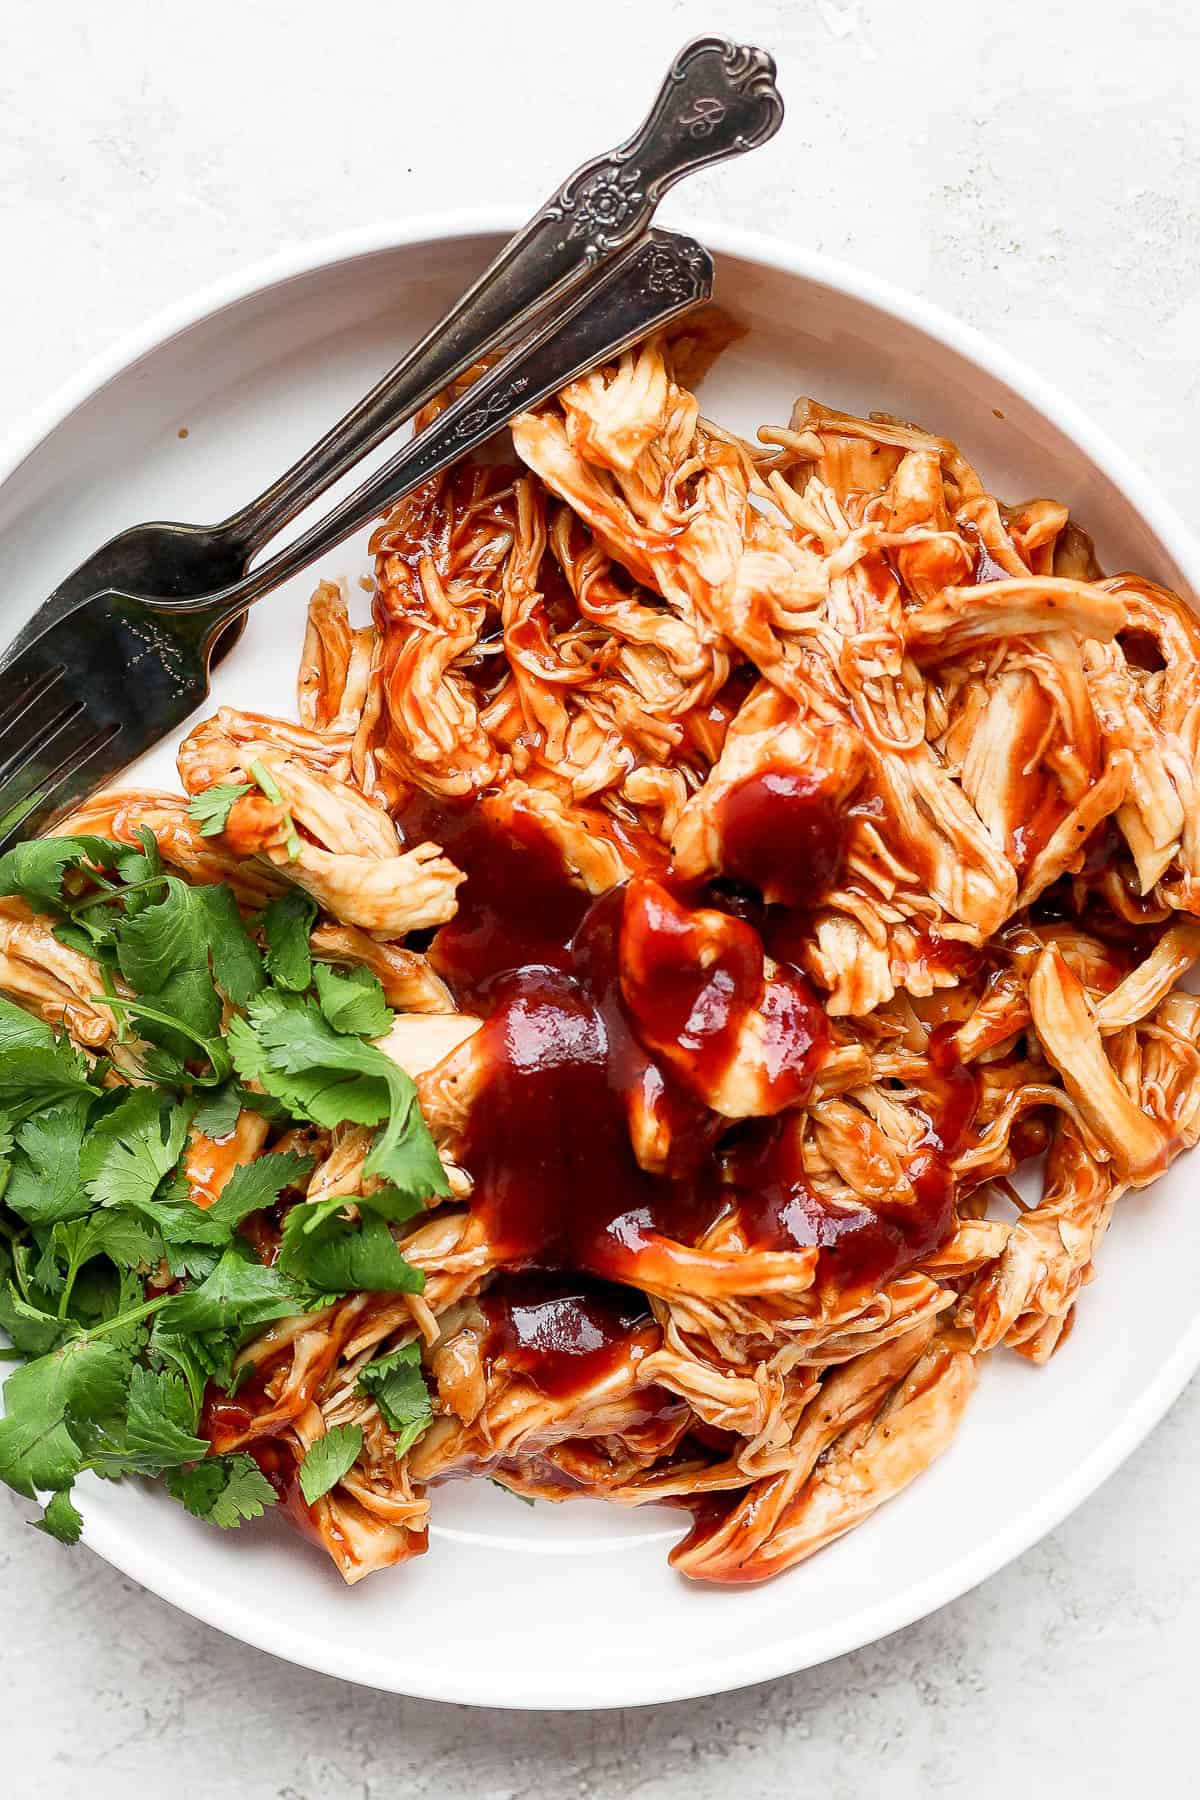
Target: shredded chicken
767,849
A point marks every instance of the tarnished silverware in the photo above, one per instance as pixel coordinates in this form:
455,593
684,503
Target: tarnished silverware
717,100
120,672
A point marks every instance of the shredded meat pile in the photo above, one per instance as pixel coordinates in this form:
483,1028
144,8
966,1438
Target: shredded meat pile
769,848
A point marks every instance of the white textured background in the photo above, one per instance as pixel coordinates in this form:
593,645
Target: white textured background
1033,165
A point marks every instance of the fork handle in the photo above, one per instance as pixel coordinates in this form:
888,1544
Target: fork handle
718,99
645,288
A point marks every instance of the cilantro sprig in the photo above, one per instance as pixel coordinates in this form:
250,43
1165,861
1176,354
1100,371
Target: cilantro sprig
209,810
125,1297
286,923
223,1490
328,1459
288,1045
397,1386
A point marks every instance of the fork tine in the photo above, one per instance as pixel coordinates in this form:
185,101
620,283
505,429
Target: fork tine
33,730
53,750
88,696
66,770
23,688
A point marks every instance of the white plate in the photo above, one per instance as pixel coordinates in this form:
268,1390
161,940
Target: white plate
575,1606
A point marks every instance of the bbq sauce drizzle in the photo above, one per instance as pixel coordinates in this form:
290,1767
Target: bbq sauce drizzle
553,972
579,1224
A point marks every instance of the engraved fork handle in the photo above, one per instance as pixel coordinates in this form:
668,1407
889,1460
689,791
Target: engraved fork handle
645,287
718,100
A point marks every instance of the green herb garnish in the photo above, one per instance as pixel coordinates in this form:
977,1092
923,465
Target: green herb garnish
397,1386
271,789
328,1459
210,809
96,1211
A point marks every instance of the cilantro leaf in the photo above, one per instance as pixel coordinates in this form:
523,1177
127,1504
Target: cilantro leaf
20,1031
289,1047
117,1314
238,1295
216,1114
387,1202
191,1238
180,1354
33,1331
45,1402
131,1149
285,1045
40,1078
37,1069
160,1432
26,1272
207,1356
354,1001
397,1386
162,1065
119,1237
189,1256
223,1490
36,870
139,868
163,940
60,1519
210,809
90,940
328,1459
71,880
407,1155
154,1431
286,923
163,955
252,1186
236,960
45,1184
124,1240
325,1250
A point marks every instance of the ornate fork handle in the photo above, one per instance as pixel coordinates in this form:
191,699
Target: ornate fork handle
718,100
643,288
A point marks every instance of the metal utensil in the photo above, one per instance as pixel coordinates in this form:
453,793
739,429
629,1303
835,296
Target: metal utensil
119,672
717,100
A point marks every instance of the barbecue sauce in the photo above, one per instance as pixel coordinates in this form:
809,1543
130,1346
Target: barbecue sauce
861,1246
633,1004
547,1143
564,1335
780,831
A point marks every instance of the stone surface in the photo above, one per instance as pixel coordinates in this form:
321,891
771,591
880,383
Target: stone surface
1033,167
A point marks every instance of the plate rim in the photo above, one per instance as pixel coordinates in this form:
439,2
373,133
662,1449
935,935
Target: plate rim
874,1621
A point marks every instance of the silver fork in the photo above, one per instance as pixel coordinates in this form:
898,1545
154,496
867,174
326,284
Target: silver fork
717,100
120,672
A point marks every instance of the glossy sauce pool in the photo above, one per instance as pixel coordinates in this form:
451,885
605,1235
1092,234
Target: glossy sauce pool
564,1336
598,1011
